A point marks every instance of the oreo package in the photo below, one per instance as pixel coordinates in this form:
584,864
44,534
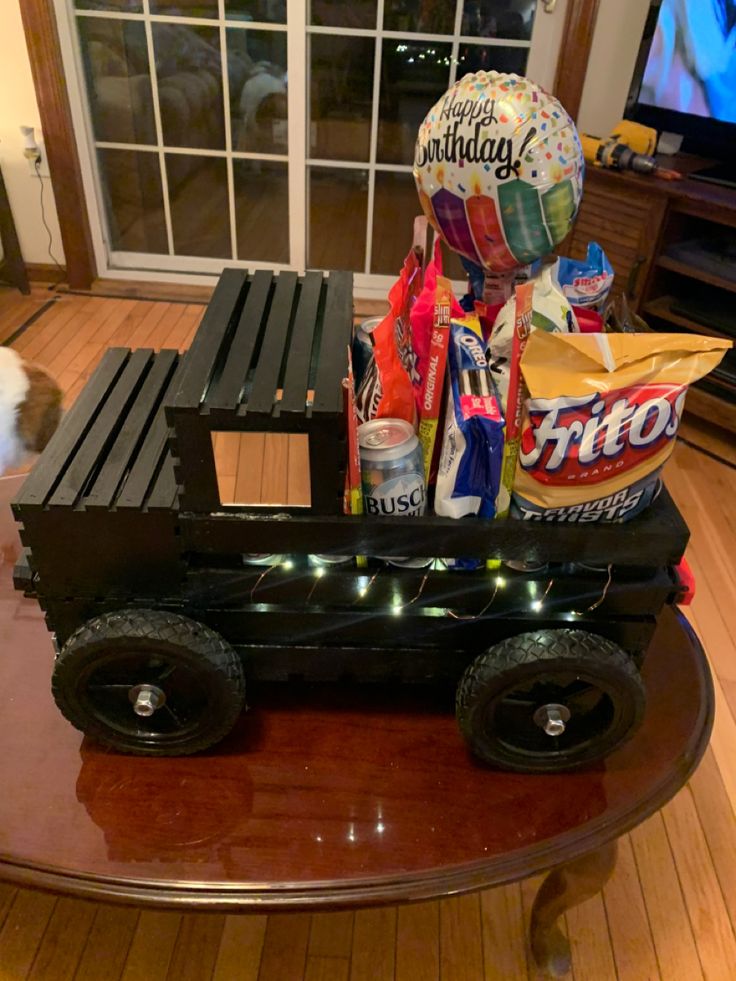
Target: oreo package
472,447
601,420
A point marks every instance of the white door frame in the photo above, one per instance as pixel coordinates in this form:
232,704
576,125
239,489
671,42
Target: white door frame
544,48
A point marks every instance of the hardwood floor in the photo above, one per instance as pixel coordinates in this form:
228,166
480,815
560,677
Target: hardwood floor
668,912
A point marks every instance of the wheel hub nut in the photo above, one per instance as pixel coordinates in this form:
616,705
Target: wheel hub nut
146,699
552,718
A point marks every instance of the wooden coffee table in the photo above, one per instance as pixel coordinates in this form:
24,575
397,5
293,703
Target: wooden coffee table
325,797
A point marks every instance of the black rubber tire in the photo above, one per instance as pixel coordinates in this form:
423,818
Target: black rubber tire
211,668
487,687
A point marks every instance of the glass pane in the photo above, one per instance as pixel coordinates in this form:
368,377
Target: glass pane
341,76
510,19
115,60
185,8
122,6
256,62
344,13
414,76
418,15
200,217
189,70
491,57
395,206
262,210
338,210
131,185
268,11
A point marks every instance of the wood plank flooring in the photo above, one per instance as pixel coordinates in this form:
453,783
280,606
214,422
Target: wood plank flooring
668,913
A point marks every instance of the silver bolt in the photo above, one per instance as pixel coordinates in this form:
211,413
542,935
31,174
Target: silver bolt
552,718
147,700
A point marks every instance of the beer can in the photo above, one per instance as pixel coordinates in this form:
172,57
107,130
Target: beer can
329,561
392,469
363,347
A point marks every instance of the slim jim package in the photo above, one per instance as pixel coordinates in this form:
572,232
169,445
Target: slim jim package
431,401
601,420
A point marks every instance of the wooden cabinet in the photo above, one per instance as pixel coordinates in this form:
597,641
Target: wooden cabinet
672,245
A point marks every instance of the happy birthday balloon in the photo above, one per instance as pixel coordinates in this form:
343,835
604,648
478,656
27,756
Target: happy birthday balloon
499,170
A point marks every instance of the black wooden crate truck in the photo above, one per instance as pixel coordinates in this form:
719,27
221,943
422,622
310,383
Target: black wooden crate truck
144,577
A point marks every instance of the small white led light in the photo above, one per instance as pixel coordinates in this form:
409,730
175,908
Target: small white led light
319,572
537,606
287,565
500,582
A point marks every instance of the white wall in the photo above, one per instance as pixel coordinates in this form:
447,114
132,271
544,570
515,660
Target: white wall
616,41
18,107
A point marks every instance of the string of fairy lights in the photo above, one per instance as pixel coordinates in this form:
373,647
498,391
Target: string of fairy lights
398,605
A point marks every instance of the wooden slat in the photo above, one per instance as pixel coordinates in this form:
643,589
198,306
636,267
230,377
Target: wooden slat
226,391
262,396
298,482
197,944
299,355
274,474
239,954
121,453
327,969
250,468
633,947
590,942
142,473
108,943
335,338
163,492
102,430
23,931
461,952
374,945
418,942
331,934
224,306
285,947
152,947
503,933
77,422
63,941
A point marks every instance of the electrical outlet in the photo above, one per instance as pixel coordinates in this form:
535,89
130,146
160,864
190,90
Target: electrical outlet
43,166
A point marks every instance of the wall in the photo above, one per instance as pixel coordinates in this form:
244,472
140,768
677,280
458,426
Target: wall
616,40
18,107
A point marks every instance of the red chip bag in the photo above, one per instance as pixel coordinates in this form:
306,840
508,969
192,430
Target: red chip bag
386,390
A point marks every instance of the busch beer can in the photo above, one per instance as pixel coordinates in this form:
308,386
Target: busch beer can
392,468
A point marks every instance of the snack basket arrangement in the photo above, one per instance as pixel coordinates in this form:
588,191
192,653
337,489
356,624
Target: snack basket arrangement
165,595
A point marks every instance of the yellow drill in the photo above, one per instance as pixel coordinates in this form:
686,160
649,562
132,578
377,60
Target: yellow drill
629,147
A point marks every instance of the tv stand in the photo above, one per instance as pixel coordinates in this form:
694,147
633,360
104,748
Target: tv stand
672,245
723,174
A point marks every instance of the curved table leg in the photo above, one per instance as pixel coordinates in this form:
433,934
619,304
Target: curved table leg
563,888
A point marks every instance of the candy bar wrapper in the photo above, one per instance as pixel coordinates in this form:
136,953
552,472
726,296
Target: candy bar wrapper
386,390
472,447
353,500
587,282
601,420
431,403
514,394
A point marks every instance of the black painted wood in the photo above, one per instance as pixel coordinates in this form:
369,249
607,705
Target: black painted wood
143,471
227,390
121,455
67,438
164,491
336,334
262,399
299,355
658,536
91,452
222,310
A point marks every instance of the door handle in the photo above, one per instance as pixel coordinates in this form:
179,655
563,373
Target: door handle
549,6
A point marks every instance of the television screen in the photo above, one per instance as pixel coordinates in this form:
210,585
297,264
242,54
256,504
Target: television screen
691,64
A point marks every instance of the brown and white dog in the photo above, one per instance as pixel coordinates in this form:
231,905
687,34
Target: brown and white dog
30,408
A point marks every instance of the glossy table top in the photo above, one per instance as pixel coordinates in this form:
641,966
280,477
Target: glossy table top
322,796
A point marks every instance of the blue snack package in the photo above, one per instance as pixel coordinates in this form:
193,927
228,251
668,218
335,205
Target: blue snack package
472,447
587,282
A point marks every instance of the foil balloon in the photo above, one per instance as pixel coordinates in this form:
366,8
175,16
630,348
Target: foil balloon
499,169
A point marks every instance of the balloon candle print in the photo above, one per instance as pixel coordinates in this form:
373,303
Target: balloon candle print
499,168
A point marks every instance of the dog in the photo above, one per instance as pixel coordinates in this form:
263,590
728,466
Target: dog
30,409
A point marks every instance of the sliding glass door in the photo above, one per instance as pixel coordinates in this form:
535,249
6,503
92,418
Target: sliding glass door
267,133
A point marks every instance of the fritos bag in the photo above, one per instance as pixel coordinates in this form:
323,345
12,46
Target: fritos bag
601,420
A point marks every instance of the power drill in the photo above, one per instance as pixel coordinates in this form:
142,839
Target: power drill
629,147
